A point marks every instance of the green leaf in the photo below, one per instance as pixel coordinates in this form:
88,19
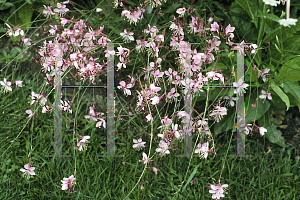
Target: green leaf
272,134
281,94
117,31
261,108
131,3
291,43
251,75
295,28
226,123
290,70
118,19
191,177
172,8
25,14
287,174
272,17
217,93
221,66
27,145
293,88
251,8
7,5
240,19
4,53
50,2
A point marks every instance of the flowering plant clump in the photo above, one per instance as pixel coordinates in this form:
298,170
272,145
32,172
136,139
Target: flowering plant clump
78,42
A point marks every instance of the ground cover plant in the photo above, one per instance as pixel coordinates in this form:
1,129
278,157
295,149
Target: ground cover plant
152,81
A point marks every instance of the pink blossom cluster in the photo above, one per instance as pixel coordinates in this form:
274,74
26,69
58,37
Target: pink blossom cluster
93,115
79,41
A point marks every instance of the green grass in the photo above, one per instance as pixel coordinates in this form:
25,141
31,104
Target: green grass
274,175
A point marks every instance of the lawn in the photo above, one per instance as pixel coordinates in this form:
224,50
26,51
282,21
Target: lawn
273,172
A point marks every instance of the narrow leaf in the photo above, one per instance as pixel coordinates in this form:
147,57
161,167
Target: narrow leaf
281,94
190,178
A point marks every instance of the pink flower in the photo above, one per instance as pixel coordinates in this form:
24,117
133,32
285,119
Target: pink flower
192,182
163,148
246,128
29,112
229,29
148,117
262,131
101,120
61,9
175,130
202,149
99,10
142,185
82,143
92,114
181,11
54,29
231,100
154,169
66,106
6,85
263,74
218,112
217,190
68,182
240,86
265,94
139,144
154,89
154,100
125,87
19,32
45,109
48,12
28,170
26,41
37,97
171,95
11,31
145,159
121,63
252,48
127,36
64,21
210,19
215,27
